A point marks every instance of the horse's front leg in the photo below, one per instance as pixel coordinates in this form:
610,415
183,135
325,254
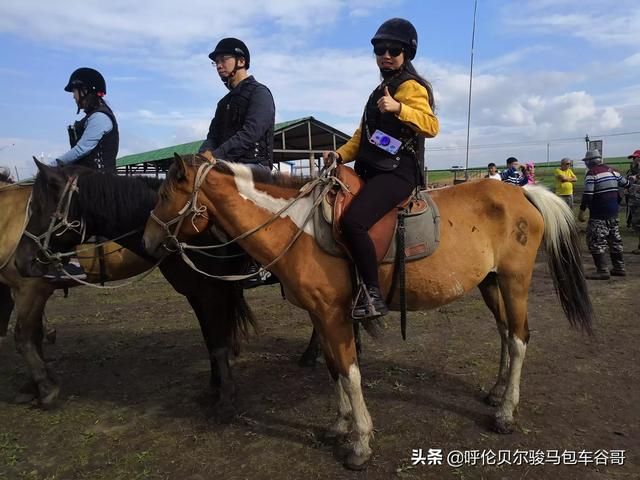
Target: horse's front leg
336,333
216,307
30,301
310,356
197,302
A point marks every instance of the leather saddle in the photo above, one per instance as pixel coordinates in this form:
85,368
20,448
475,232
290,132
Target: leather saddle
337,202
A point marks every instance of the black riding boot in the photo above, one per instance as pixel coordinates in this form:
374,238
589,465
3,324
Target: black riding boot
602,270
618,265
264,278
369,304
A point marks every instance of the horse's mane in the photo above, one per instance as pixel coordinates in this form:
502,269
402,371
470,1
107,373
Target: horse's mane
114,201
108,201
259,175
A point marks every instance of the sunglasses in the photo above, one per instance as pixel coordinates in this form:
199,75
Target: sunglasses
382,49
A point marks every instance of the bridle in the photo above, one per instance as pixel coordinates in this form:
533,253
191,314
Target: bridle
60,223
326,181
171,242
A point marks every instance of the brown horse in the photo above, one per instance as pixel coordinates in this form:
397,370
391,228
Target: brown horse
29,295
490,235
113,207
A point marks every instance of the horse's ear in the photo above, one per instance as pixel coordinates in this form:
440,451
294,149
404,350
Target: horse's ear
180,168
51,174
42,167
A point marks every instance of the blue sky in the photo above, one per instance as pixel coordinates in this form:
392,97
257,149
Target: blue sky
544,70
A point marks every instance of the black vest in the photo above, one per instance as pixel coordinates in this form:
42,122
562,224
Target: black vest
103,156
230,116
410,157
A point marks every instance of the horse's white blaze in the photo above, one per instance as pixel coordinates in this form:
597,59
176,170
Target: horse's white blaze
517,350
247,190
361,419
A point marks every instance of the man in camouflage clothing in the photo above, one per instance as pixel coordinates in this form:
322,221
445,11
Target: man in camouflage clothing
601,197
633,196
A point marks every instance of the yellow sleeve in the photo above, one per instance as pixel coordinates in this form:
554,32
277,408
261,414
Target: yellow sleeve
349,151
415,111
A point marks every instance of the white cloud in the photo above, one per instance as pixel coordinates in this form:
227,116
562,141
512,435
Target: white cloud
595,21
610,119
167,42
633,60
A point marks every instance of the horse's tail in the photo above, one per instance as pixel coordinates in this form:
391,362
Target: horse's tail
242,318
561,244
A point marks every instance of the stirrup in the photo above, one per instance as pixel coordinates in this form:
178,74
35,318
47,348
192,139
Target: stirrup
369,310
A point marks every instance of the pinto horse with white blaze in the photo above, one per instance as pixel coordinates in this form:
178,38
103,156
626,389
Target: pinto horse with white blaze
490,235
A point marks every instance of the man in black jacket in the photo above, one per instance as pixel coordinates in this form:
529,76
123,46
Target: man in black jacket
242,128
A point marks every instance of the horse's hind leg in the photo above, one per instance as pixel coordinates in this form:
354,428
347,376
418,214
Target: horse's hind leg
6,307
492,297
514,289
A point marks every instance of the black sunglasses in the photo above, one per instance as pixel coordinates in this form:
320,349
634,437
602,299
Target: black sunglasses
382,49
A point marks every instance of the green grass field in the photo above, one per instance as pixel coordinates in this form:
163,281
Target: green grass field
544,172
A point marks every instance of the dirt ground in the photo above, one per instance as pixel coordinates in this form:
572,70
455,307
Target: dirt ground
135,402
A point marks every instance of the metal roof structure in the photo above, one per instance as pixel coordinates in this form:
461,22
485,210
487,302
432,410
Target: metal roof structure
301,139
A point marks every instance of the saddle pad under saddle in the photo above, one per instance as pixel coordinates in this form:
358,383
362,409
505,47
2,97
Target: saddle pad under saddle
422,231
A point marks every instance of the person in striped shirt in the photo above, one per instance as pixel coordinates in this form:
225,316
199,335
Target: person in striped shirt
602,198
513,174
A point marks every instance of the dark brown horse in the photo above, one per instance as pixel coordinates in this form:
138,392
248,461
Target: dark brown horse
490,236
111,206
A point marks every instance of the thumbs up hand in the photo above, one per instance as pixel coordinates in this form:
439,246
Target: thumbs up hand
386,103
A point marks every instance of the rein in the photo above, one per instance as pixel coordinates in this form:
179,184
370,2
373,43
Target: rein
60,220
325,179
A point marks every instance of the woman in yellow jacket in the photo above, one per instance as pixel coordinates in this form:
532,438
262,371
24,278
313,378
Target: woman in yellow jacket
388,149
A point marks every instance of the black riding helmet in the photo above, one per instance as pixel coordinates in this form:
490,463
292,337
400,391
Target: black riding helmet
401,31
231,46
87,78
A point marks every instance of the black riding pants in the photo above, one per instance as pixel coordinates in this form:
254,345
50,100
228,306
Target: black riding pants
379,194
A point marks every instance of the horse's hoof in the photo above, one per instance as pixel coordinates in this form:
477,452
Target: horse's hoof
48,396
51,335
502,425
357,462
